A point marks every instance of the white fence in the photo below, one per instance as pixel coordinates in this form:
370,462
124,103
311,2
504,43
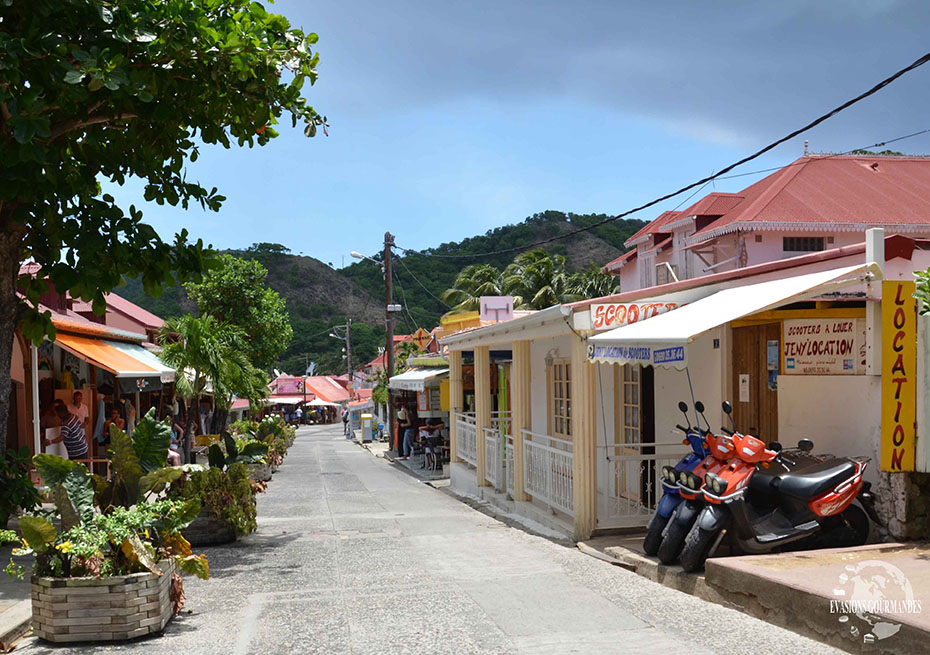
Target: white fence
493,458
633,483
508,464
502,421
466,438
549,470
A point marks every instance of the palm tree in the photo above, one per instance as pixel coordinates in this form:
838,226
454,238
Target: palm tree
205,351
537,280
470,284
592,283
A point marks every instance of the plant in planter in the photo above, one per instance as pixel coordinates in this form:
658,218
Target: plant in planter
227,497
17,491
112,540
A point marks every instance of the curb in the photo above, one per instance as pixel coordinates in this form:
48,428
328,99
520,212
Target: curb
15,621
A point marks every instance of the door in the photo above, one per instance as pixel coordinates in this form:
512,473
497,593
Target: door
755,395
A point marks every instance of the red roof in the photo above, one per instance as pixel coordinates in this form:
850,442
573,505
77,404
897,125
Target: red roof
326,388
713,204
239,403
133,311
818,191
619,262
662,245
661,221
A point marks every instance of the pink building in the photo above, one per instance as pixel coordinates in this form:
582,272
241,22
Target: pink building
818,202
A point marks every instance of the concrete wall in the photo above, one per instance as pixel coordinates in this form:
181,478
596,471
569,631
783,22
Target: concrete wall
841,414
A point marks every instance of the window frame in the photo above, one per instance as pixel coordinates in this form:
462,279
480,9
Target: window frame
560,399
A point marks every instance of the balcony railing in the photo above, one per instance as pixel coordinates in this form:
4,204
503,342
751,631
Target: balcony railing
493,458
549,470
508,464
633,485
466,436
503,421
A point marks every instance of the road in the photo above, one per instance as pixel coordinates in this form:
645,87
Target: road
353,555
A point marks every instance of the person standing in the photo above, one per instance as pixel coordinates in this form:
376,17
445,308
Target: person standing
345,422
79,409
72,433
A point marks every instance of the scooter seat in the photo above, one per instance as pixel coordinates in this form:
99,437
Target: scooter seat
813,480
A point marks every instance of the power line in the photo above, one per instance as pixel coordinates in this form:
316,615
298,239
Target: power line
403,295
774,144
423,286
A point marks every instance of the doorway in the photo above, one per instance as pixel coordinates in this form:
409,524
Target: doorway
756,364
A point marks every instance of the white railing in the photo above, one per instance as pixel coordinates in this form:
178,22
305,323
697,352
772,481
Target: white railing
633,483
503,421
466,438
548,470
493,457
508,464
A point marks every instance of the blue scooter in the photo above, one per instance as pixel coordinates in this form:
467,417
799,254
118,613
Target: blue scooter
671,497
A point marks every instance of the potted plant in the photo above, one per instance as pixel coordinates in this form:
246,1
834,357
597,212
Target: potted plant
225,492
17,490
110,571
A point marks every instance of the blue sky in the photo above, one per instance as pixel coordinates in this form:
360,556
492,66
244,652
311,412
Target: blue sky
449,119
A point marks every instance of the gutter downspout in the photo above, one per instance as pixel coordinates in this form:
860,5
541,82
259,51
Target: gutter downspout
874,252
34,367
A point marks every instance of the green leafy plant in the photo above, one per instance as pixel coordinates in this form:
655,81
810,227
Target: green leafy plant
229,495
17,491
922,292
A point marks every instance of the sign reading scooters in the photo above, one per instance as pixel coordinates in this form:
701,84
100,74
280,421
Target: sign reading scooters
617,314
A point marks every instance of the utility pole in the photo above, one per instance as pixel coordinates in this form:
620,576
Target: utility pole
349,355
389,336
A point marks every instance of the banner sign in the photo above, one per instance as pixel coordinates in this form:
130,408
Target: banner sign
899,375
824,346
288,386
617,314
673,356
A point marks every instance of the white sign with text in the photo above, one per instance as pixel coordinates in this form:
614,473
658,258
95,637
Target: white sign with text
617,314
824,346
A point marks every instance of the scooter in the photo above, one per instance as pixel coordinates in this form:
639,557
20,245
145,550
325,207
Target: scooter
671,498
768,500
690,485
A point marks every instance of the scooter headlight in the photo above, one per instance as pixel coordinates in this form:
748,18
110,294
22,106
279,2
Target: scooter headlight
669,474
716,484
683,477
694,482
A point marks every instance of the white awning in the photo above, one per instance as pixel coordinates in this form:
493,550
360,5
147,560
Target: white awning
316,402
284,400
662,340
166,373
415,379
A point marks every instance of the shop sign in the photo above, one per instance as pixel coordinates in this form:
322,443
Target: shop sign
289,386
618,314
824,346
899,375
133,385
635,354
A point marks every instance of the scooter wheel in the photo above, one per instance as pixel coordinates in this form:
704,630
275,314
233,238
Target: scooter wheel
696,549
673,542
654,534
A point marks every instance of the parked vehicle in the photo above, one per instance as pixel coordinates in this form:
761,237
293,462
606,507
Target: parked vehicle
765,499
671,498
690,485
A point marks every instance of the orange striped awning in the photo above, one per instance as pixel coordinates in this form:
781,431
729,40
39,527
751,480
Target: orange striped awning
105,355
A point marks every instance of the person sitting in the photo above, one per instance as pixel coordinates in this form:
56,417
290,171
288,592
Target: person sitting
72,433
115,419
434,443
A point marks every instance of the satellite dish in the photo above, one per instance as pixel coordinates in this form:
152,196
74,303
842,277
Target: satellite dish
277,373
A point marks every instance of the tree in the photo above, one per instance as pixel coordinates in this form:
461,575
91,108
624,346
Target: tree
537,280
96,90
234,292
470,284
207,352
592,283
402,352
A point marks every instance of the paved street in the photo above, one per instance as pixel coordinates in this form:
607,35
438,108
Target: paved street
353,555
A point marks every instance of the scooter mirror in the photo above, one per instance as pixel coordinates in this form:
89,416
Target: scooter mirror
806,445
774,445
682,407
727,407
699,406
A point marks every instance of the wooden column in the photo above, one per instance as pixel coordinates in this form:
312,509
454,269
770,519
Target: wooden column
521,411
584,438
482,405
455,401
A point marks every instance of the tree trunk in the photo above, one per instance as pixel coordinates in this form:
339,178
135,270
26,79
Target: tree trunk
11,243
220,419
193,415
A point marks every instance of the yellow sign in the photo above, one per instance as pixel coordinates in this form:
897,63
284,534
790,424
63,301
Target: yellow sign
422,338
899,375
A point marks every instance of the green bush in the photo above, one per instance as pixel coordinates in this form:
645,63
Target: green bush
229,495
16,488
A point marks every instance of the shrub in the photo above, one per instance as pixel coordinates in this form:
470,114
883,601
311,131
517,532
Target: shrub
17,491
229,495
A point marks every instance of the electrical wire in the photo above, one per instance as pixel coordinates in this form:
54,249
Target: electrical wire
423,286
403,296
774,144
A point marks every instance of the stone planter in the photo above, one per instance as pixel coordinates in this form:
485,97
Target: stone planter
102,609
208,531
260,472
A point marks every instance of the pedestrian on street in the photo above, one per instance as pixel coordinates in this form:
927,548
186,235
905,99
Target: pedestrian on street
345,422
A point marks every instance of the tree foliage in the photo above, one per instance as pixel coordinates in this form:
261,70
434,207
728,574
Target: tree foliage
234,292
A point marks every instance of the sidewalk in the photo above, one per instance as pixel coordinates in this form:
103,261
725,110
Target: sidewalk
15,602
414,464
805,591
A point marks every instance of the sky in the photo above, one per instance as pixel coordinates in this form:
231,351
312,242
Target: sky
449,119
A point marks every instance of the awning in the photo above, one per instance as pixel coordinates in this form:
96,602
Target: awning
147,357
285,400
317,402
112,356
415,379
662,340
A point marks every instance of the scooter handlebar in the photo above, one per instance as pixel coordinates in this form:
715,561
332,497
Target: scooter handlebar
727,430
682,428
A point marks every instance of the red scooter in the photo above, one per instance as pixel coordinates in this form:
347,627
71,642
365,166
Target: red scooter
766,499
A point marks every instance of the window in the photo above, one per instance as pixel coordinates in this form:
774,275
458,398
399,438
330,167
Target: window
802,244
560,394
662,274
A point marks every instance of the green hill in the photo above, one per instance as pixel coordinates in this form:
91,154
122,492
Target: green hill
319,297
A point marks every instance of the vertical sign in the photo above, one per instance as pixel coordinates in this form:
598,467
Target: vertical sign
899,375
